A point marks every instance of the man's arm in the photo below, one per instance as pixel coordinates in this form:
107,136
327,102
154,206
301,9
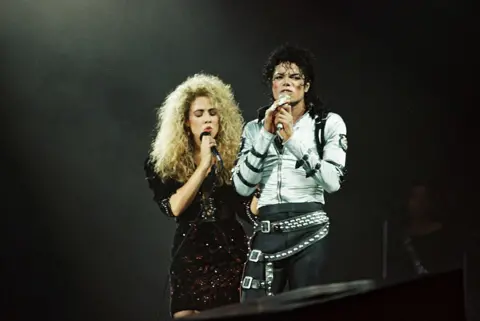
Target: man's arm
328,172
248,171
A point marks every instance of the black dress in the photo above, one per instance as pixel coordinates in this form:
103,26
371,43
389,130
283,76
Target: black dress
209,246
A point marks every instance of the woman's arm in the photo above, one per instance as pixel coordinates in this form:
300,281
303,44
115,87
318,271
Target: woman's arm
254,201
172,199
254,206
184,196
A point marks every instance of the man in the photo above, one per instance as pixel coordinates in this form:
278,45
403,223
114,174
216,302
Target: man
293,153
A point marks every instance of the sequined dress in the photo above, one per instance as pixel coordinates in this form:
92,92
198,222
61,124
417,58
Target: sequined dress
209,246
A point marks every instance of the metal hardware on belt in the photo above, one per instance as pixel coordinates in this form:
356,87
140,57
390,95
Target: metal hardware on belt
292,224
259,256
251,283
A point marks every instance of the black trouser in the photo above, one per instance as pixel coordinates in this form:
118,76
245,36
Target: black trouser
300,270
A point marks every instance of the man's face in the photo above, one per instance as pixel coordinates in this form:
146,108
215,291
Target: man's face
289,79
418,202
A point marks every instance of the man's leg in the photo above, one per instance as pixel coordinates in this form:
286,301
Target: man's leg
307,267
267,243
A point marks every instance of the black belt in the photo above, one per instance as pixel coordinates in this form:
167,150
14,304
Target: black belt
249,282
290,207
292,224
259,256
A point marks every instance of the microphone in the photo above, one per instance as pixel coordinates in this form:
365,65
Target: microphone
282,100
213,148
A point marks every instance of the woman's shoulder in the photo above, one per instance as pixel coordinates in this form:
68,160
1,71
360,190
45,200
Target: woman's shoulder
152,176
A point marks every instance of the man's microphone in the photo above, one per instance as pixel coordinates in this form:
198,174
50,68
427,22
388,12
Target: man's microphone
213,148
282,100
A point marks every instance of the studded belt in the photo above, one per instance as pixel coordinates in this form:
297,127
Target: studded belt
249,282
258,256
292,224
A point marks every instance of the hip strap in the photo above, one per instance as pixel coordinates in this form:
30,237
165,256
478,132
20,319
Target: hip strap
292,224
259,256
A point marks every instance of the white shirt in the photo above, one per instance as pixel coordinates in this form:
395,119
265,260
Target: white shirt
261,163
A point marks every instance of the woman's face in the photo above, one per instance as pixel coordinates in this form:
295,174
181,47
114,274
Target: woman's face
202,117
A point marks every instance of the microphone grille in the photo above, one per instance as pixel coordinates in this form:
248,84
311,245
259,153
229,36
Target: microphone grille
282,99
204,134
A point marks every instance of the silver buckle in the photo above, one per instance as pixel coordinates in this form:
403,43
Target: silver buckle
247,282
265,226
254,255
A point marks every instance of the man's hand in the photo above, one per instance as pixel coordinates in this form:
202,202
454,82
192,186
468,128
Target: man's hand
270,125
284,116
269,117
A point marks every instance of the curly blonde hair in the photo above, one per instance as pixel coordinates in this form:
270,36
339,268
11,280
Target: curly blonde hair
172,149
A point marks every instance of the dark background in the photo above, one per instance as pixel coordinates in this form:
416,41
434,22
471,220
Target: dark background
82,80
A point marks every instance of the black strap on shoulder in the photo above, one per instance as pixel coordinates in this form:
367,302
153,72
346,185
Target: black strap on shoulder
320,139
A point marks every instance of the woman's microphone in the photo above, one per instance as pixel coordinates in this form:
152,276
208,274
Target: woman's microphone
213,148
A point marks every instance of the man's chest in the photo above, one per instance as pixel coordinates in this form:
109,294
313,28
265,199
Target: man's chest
304,132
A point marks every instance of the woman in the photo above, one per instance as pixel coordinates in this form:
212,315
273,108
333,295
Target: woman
192,186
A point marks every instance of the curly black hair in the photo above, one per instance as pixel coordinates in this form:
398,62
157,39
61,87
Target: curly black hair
433,185
304,59
436,195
